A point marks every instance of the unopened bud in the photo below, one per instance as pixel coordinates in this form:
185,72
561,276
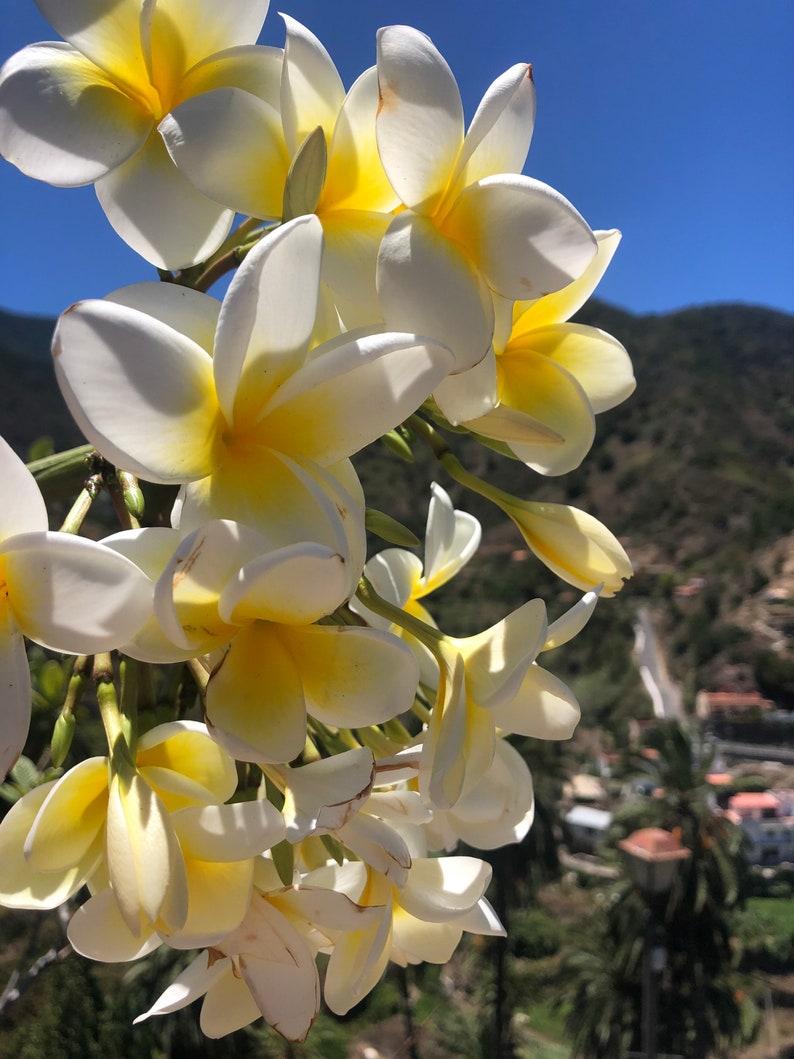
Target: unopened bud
306,177
389,529
62,738
395,442
131,491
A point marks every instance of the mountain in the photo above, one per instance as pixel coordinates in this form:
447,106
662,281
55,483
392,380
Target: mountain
695,472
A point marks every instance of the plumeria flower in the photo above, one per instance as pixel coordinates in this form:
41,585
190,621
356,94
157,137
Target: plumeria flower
223,586
256,427
473,223
551,377
65,592
492,681
497,811
351,195
88,110
266,968
110,826
422,920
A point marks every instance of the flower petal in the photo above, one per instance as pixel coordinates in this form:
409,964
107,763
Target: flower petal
71,818
63,120
158,212
218,897
322,795
352,241
523,235
193,982
469,394
571,622
97,931
23,509
420,117
140,391
109,34
73,595
415,941
427,285
228,1005
191,313
380,846
500,133
441,888
544,708
246,167
235,832
353,677
497,659
451,539
311,89
180,759
15,682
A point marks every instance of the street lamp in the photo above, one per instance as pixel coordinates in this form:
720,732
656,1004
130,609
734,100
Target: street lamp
654,856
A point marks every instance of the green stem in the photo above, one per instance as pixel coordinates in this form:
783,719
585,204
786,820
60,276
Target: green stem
431,637
118,750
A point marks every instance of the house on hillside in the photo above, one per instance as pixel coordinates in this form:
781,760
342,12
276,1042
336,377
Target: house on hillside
587,827
768,822
716,705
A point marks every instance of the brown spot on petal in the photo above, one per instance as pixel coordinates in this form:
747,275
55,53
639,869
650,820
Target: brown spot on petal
530,74
188,563
213,955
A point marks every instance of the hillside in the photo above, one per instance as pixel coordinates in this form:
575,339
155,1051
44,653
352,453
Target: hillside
695,472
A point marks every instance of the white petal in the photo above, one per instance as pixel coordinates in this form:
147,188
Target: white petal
572,621
228,1005
191,313
15,682
158,212
267,317
109,34
201,27
246,167
420,118
140,391
295,586
321,796
497,659
228,832
451,539
441,888
23,508
543,708
378,845
501,131
345,398
598,362
73,595
428,286
63,120
352,241
469,394
311,89
98,932
192,983
523,235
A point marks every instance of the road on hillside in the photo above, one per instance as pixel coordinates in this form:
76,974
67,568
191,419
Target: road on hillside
665,695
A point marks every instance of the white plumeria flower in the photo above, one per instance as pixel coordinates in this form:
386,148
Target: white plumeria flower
489,681
497,811
356,201
552,377
266,968
65,592
422,920
224,586
256,427
87,111
473,223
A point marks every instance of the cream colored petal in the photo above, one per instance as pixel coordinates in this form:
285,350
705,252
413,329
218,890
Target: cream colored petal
218,897
15,681
267,318
20,885
352,241
561,305
500,133
441,888
23,509
255,701
196,28
311,89
158,212
497,659
428,286
228,1005
98,932
544,708
420,116
322,795
380,846
345,398
469,394
109,34
511,427
415,941
451,539
187,594
525,238
71,819
573,544
598,362
139,391
297,585
63,119
254,68
185,750
356,179
501,807
74,595
246,167
235,832
572,621
192,983
147,872
191,313
359,957
539,388
353,677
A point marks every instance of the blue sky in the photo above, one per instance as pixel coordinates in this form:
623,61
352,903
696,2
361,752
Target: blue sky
669,119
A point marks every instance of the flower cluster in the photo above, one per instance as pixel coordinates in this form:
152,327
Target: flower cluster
396,276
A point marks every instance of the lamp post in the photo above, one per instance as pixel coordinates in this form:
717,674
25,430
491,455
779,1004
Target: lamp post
654,856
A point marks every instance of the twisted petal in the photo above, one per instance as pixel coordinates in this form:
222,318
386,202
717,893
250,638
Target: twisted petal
429,286
451,539
322,795
74,595
378,845
158,212
420,117
63,120
139,390
246,167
